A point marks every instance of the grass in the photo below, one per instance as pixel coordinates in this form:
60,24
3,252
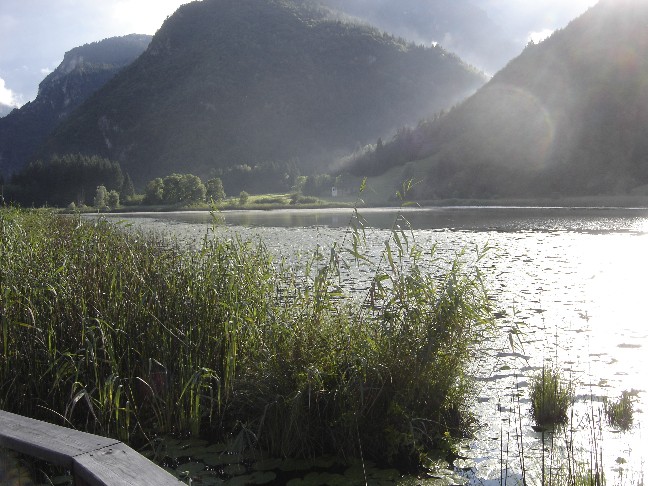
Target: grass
551,396
128,335
620,412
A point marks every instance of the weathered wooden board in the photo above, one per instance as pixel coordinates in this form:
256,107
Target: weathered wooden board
120,465
52,443
94,460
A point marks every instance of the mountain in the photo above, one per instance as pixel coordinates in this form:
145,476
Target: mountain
568,117
238,83
459,26
83,71
5,109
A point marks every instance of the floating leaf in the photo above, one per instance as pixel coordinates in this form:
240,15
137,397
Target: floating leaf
223,459
258,477
235,470
384,474
295,465
190,468
267,464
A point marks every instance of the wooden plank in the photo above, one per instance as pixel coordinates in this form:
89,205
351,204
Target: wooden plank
94,460
120,465
52,443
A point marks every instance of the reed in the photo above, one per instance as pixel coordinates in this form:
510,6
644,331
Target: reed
129,335
620,412
551,396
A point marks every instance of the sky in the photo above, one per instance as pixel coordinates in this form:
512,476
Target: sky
35,34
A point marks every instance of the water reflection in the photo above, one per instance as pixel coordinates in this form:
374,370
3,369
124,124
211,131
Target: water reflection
568,286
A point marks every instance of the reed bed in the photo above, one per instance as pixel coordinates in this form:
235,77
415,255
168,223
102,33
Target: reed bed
129,335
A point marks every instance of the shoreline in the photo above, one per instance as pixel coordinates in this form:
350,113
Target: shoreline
584,202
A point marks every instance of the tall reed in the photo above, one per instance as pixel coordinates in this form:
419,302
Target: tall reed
127,334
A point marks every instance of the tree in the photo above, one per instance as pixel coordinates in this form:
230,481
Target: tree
154,191
112,199
127,188
195,190
175,189
100,198
318,185
243,198
183,189
215,189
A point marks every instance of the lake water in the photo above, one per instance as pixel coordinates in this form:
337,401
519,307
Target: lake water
568,285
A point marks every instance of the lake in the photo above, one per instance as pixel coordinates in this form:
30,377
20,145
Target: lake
568,287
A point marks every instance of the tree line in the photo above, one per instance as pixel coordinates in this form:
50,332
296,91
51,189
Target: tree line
64,180
185,189
78,181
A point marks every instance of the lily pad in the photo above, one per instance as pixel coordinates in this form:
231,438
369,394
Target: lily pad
321,479
258,477
384,474
190,468
325,479
195,452
290,465
356,473
325,462
205,453
267,464
222,459
235,470
209,481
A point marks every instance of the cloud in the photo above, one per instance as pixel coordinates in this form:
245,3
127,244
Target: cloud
7,97
137,16
540,35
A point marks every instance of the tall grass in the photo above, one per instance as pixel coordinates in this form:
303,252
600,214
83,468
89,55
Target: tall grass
551,396
126,334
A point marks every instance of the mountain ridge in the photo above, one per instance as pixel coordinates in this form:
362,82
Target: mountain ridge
83,71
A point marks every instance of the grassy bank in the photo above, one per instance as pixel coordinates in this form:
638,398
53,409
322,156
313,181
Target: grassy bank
127,335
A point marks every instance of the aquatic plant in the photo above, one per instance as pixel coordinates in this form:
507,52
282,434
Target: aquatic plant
620,412
129,335
551,396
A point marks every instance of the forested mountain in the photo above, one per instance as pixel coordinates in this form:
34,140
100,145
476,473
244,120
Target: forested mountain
567,117
83,71
460,26
233,83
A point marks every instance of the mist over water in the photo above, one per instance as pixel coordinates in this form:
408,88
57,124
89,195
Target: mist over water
568,290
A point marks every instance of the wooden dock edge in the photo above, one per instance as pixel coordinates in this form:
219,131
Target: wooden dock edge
92,459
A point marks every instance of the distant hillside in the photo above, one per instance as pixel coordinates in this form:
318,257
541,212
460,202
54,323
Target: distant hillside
83,71
245,82
567,117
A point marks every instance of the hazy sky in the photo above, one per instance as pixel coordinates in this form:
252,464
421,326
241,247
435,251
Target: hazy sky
35,34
